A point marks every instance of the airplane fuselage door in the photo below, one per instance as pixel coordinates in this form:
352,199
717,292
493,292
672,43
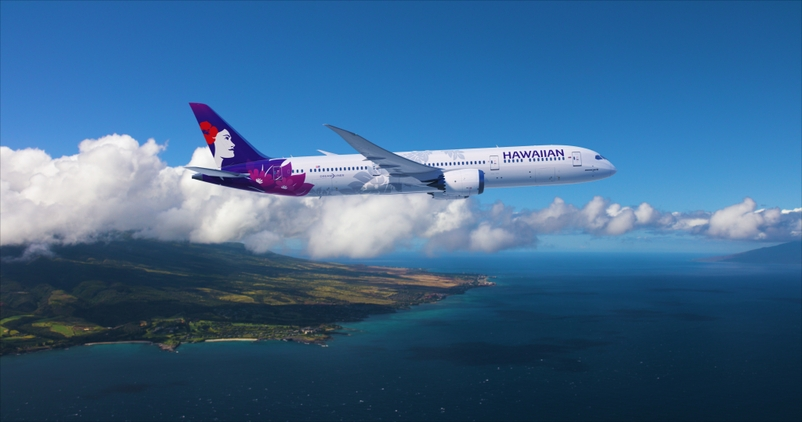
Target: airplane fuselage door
494,162
576,158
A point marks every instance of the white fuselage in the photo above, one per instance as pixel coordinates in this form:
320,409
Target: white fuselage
444,174
536,165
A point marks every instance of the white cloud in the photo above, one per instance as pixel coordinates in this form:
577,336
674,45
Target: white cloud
112,184
645,214
738,221
116,184
486,238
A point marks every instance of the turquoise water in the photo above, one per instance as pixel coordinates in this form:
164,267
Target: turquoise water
567,337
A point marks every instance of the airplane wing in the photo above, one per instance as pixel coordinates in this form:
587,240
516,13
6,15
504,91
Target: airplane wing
395,164
217,173
325,152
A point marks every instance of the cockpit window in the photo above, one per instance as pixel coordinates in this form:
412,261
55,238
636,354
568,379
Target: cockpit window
599,157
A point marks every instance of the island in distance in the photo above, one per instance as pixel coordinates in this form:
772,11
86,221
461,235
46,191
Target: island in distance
786,253
171,293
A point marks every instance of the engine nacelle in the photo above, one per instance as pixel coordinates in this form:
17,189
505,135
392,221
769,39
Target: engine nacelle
459,184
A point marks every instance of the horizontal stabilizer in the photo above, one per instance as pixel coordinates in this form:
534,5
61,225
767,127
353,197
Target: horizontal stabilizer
218,173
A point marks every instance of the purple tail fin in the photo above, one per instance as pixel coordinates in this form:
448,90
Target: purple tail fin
228,146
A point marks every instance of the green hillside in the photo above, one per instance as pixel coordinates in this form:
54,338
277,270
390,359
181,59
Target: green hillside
169,293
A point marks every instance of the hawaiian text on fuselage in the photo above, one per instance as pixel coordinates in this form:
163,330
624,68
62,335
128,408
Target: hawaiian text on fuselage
543,153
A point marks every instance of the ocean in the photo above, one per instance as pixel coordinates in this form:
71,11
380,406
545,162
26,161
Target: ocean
560,337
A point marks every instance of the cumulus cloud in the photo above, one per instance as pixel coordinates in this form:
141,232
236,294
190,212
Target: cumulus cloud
113,183
117,184
601,217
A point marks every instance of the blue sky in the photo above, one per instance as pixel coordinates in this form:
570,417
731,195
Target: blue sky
698,104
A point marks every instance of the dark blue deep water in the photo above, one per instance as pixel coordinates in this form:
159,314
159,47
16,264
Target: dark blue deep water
561,337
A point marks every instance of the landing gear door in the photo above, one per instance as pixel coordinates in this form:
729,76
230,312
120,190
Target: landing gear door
494,162
576,158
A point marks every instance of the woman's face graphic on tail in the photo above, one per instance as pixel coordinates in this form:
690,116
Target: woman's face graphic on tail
223,146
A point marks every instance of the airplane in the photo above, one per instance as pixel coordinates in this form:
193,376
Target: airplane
443,174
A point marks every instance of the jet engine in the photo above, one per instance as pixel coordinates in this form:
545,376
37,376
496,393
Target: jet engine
459,184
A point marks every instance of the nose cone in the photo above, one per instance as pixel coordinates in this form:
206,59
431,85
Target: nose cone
607,169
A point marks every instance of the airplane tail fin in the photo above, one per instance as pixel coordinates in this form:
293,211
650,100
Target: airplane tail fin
228,147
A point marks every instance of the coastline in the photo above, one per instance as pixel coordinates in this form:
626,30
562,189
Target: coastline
218,340
293,333
101,343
